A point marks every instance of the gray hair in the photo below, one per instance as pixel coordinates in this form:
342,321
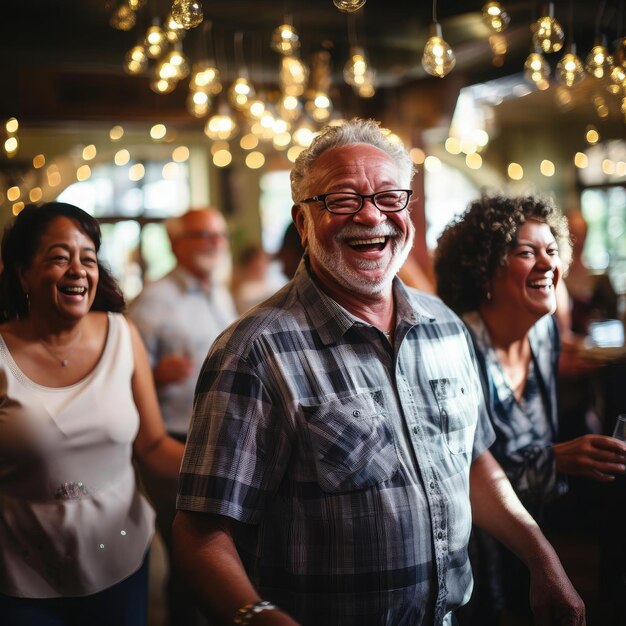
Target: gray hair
355,131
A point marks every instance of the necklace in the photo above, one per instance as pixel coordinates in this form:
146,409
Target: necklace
63,361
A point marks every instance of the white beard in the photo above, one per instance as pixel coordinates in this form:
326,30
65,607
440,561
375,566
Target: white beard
333,261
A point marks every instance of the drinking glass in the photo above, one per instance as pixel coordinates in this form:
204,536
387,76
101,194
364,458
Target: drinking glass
619,432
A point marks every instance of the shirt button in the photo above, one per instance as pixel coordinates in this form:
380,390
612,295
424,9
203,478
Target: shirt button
431,484
415,430
440,535
356,413
462,389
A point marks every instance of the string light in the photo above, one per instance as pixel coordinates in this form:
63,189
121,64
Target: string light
155,40
123,18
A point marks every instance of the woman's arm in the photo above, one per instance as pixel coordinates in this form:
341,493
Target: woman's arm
153,447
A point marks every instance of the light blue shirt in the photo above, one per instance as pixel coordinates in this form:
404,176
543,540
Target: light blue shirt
175,315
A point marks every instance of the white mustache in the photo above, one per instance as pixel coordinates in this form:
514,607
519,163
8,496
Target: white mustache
353,231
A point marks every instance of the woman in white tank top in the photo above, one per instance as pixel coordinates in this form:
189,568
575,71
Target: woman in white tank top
77,405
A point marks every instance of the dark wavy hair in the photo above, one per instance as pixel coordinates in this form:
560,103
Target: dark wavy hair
19,246
473,247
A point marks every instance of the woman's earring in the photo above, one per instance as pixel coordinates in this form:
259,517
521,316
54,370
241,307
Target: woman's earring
488,295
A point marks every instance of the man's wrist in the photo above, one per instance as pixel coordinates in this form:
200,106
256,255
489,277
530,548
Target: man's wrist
244,615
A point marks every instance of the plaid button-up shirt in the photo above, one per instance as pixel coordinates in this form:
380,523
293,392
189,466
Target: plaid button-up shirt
346,461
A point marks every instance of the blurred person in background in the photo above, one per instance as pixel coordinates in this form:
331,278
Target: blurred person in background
179,316
254,278
77,404
498,266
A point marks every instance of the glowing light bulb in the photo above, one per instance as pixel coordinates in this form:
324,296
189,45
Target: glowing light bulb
163,85
198,103
570,69
285,39
173,30
135,5
438,58
205,77
220,126
548,34
495,16
599,62
320,107
174,65
241,93
618,76
348,6
123,18
155,41
187,13
355,68
293,76
136,60
536,68
289,108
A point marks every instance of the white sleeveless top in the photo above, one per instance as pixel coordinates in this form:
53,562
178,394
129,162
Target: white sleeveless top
72,521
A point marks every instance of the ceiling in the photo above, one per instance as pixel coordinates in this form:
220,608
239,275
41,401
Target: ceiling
63,60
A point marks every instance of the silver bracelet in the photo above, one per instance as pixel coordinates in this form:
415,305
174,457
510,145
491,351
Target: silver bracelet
245,614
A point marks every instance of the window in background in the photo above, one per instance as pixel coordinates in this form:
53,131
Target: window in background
275,204
447,194
134,242
603,205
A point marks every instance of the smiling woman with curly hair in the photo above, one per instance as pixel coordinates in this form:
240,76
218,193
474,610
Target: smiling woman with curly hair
472,248
498,266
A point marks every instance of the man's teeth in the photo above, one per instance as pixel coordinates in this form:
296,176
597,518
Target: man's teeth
368,242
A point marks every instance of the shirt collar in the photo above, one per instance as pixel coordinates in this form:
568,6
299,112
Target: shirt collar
187,282
332,321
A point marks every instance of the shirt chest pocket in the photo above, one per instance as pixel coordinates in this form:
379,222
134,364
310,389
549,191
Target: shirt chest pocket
456,424
351,441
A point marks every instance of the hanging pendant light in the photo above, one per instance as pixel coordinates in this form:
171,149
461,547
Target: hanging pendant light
155,40
205,77
570,69
198,103
123,18
285,39
136,60
536,68
241,93
438,58
599,62
349,6
174,64
187,13
548,35
222,125
293,75
495,16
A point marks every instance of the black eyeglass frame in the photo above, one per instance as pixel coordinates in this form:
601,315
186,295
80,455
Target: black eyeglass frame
371,196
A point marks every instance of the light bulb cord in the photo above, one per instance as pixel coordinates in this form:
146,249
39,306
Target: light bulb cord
435,11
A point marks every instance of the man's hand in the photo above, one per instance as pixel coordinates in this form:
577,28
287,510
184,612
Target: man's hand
172,368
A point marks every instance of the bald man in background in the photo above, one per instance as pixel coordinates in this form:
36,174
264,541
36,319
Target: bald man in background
179,316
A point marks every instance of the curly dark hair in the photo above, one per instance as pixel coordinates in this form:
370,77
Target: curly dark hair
19,246
475,245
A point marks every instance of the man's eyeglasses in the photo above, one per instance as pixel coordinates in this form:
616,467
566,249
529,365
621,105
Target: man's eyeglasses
345,203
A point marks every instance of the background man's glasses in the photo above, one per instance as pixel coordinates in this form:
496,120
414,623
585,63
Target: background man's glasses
344,203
